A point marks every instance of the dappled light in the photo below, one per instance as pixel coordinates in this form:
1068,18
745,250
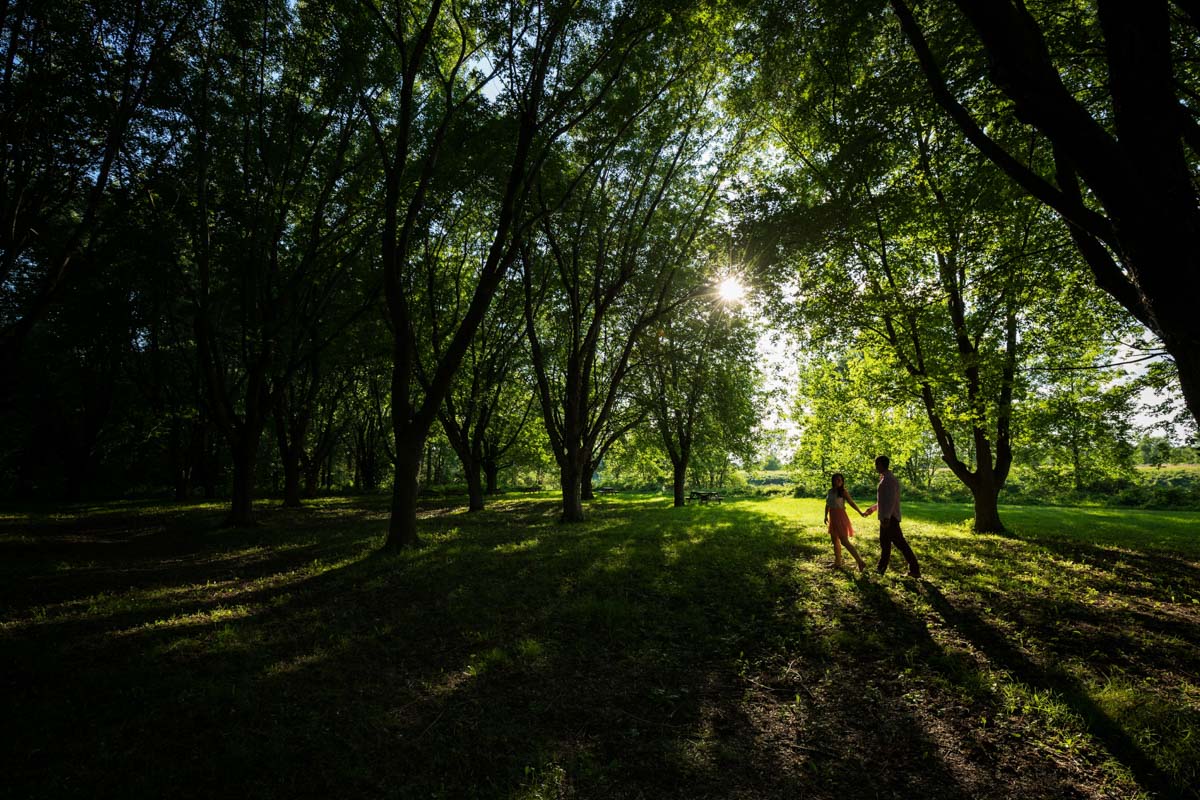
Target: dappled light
475,400
644,651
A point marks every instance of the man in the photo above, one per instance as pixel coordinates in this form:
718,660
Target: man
888,505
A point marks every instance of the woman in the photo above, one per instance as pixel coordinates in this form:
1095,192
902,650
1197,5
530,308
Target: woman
838,521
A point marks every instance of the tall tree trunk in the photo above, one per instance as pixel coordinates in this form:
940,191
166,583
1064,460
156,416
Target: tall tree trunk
474,486
291,480
571,479
491,473
27,465
586,490
327,471
180,457
678,479
1187,362
291,429
183,482
402,528
311,467
986,494
1076,468
77,471
245,459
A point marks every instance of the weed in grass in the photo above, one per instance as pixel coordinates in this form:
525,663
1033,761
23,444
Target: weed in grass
1168,729
543,782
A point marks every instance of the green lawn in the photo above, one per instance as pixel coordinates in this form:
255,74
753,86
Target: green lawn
650,652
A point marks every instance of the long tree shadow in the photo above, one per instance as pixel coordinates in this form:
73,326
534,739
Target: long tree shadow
1007,656
650,652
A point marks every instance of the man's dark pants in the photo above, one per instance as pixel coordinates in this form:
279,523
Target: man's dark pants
890,534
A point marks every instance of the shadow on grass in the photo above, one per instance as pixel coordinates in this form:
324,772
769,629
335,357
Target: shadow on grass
651,652
1006,656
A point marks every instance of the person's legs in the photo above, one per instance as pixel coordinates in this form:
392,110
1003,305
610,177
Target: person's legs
885,545
852,550
902,545
837,547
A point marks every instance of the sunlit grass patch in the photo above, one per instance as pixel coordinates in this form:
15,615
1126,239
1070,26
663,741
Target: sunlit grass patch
518,547
649,651
210,616
1164,722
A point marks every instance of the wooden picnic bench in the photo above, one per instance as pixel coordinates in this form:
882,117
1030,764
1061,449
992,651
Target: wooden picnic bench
606,490
705,496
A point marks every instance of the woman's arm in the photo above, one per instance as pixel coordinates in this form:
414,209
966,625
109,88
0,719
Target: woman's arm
850,500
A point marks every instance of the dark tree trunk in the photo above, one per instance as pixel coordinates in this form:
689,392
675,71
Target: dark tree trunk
428,461
1141,248
366,459
1187,361
586,491
327,471
571,480
183,483
402,527
245,459
181,458
27,468
474,487
291,481
678,479
491,472
311,467
77,469
986,494
368,473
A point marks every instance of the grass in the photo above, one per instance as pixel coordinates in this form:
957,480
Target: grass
649,652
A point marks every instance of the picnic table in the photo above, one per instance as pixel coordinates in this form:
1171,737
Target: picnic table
705,496
606,490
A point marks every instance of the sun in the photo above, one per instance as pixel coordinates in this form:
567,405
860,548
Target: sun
731,290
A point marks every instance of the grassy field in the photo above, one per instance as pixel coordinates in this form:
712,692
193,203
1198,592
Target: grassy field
650,652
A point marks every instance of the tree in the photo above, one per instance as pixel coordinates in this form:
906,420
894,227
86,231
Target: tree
74,87
557,63
1079,429
848,413
911,245
610,265
1075,424
271,133
480,407
1121,130
700,378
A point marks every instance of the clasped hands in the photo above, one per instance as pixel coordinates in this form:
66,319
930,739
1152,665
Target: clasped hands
870,510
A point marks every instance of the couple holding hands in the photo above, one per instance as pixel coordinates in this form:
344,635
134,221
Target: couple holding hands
887,504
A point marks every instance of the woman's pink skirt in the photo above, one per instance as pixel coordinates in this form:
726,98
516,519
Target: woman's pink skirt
839,523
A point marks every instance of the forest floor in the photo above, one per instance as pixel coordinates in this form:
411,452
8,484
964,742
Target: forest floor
651,652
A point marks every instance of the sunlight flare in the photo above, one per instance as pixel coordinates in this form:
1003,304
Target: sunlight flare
731,290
